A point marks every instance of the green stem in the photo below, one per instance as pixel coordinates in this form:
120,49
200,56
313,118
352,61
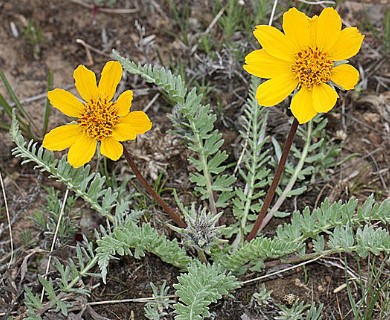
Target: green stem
62,295
206,173
249,187
293,179
46,114
83,272
271,191
202,256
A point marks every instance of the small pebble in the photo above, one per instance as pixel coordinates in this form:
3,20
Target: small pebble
14,29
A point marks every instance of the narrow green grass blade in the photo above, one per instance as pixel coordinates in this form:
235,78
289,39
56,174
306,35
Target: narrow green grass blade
46,115
6,106
15,99
4,126
8,111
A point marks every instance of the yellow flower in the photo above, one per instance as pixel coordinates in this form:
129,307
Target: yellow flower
98,118
308,56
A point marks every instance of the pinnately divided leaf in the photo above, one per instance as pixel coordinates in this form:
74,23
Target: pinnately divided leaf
254,160
309,223
253,254
195,123
127,238
201,286
342,222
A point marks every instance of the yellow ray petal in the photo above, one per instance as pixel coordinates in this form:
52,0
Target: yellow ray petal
324,97
81,151
274,91
66,102
328,29
347,45
123,103
302,106
111,148
139,121
260,64
123,132
61,137
313,31
85,82
275,42
111,75
296,26
345,76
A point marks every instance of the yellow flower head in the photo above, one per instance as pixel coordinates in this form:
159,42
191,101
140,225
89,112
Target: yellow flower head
98,118
305,57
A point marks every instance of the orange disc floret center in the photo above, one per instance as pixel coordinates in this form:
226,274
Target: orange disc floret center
312,67
99,118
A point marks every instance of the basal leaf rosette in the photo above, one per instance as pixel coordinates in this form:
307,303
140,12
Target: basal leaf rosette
97,120
308,58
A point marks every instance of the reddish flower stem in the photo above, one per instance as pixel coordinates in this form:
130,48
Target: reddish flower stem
175,217
271,191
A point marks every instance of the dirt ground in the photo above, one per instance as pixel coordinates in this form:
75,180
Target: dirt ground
77,32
